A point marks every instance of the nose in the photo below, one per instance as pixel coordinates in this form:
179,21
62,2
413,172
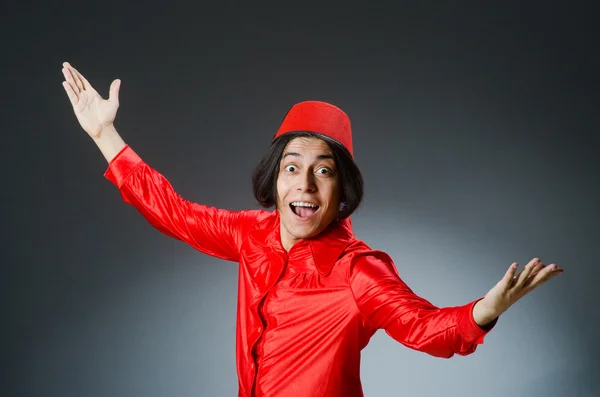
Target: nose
306,182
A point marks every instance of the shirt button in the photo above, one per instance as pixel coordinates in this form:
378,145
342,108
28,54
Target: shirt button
259,329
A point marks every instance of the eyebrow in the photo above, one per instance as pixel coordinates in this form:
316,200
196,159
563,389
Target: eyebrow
319,157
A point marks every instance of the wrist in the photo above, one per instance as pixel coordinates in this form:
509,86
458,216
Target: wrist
483,314
109,142
105,133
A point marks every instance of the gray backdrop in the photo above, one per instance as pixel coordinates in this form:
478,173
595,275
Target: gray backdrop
475,128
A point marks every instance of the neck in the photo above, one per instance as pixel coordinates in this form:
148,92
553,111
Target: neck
287,241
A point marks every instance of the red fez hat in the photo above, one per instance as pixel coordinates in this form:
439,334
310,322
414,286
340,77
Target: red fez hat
320,118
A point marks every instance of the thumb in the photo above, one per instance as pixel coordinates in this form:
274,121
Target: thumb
114,91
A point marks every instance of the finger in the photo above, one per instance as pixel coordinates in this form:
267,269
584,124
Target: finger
509,276
522,277
70,93
537,268
114,91
70,80
544,275
75,76
534,272
84,83
540,281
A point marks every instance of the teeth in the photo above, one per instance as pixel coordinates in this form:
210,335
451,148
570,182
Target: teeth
303,204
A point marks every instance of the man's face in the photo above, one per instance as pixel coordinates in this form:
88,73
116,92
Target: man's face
308,189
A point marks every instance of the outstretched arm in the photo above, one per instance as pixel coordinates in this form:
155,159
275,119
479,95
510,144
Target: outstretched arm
213,231
386,302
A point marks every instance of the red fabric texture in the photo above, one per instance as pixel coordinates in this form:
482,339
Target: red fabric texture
321,118
303,316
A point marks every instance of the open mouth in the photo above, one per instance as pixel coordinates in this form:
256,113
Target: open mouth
304,210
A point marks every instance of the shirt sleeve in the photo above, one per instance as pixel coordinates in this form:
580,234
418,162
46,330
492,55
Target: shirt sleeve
388,303
215,232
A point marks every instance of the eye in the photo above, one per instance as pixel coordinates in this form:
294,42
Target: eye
323,171
290,168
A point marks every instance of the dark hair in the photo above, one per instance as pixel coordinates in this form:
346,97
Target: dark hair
264,177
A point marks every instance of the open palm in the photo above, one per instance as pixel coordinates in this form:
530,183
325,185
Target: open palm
92,111
513,287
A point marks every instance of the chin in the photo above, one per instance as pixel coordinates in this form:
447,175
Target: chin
307,231
303,232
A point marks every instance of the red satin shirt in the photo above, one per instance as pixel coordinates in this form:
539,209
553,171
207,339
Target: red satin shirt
303,317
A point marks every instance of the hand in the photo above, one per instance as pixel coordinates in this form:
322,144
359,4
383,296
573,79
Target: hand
512,288
92,111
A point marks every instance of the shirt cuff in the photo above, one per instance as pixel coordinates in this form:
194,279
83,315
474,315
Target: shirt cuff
122,165
470,329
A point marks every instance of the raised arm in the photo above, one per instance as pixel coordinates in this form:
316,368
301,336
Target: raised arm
388,303
213,231
216,232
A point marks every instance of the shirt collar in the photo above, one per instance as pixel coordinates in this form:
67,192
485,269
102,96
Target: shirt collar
326,248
